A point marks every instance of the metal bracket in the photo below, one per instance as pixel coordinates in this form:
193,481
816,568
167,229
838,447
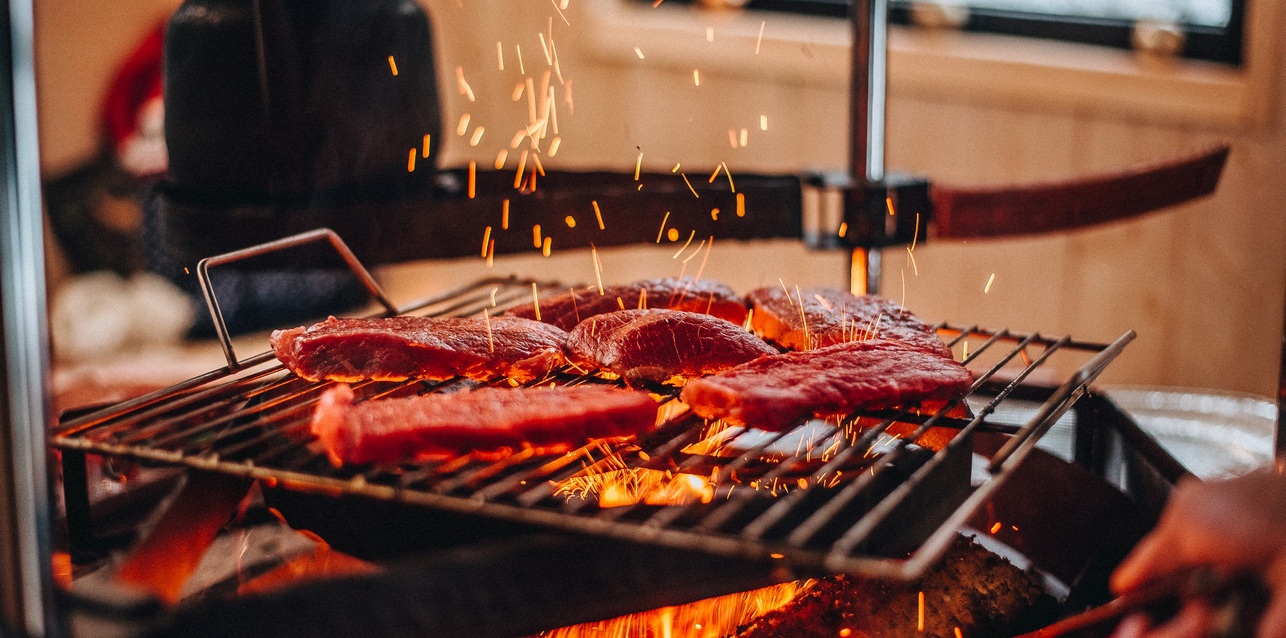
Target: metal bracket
293,241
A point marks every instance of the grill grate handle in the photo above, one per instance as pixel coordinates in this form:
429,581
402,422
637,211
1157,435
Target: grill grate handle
285,243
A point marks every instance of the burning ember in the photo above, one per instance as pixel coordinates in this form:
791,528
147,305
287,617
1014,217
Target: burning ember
709,618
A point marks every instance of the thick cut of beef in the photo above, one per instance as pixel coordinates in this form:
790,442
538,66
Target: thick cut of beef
567,309
772,393
820,317
972,592
486,419
398,348
654,345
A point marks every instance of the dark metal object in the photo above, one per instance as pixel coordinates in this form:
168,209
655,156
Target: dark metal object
272,103
448,223
26,582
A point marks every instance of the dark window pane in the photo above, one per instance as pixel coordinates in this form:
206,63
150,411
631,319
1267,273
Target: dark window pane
1212,28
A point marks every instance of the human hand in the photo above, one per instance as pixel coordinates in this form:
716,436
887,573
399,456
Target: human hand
1235,525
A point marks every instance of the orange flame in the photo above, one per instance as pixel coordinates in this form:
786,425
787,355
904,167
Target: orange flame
709,618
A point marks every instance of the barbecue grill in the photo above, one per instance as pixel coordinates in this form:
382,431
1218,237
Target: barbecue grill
842,495
825,496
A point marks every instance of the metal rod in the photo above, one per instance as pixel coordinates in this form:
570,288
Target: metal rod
867,93
1279,447
869,19
26,580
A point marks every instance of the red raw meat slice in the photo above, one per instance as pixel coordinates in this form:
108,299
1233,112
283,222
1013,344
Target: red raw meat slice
835,318
486,419
567,309
774,392
399,348
654,345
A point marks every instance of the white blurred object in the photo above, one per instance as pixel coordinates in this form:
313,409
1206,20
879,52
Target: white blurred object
97,314
1213,434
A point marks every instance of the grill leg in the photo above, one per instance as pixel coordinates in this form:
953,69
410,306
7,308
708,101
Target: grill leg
80,523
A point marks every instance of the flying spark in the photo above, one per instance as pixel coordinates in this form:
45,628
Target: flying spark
535,300
392,65
464,87
696,77
672,234
570,221
598,269
546,249
662,231
685,181
504,215
535,235
463,126
709,34
487,315
486,237
685,245
553,146
477,136
763,122
638,52
501,157
425,152
598,214
500,55
410,162
760,40
986,289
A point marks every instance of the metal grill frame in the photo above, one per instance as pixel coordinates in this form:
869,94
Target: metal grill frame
201,424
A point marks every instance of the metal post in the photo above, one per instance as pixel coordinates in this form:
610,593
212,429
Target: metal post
1279,448
867,90
26,580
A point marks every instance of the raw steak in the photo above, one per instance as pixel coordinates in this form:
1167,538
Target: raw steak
486,419
705,296
837,317
774,392
654,345
399,348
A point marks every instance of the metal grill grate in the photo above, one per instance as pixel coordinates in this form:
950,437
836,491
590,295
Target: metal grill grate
826,496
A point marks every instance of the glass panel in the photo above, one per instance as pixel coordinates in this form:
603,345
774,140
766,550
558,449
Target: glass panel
1209,13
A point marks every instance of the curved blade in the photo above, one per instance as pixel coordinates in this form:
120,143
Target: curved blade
963,212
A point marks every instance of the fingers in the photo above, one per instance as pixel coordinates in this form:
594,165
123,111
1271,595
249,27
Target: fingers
1132,627
1148,559
1273,622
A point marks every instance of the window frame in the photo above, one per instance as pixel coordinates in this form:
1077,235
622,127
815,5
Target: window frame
953,67
1215,44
